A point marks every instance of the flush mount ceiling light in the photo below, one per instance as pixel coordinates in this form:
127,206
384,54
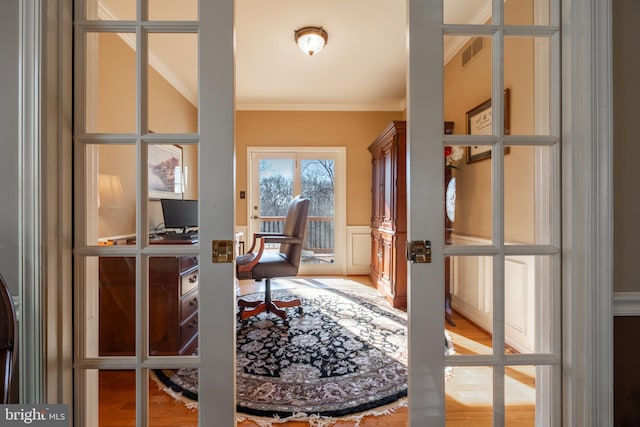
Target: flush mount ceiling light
311,40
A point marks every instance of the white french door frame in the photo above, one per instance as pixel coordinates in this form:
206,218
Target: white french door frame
338,155
45,276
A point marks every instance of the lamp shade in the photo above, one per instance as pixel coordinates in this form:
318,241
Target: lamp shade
110,192
311,40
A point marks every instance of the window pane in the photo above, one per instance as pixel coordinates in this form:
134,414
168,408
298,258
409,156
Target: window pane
117,398
89,299
117,299
173,174
276,191
173,83
471,287
318,179
469,396
468,195
520,395
531,308
173,10
165,174
528,197
467,12
111,10
467,78
171,391
173,305
110,193
527,73
110,91
516,12
526,12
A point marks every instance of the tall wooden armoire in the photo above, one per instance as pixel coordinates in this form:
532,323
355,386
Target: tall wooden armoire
389,214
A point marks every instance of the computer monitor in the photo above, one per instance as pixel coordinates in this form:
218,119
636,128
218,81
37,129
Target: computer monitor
182,214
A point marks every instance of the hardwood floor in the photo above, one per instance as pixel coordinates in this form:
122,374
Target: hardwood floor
468,392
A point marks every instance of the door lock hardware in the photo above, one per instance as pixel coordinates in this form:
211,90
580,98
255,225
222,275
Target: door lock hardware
419,251
222,251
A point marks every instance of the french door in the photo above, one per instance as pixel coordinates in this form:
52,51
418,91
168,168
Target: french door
496,245
277,175
141,133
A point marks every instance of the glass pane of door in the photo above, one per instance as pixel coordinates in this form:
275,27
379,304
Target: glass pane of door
275,184
318,184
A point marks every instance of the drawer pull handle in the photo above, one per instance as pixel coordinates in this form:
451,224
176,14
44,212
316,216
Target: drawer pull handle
193,302
193,279
193,324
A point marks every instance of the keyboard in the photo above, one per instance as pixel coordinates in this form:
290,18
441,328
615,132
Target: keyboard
182,236
191,236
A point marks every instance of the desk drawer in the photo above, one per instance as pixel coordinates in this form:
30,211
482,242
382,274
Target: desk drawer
191,348
188,329
189,304
188,282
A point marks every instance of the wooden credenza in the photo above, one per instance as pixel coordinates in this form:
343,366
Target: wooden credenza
173,306
389,214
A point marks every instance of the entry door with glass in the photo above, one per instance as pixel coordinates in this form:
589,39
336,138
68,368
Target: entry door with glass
276,176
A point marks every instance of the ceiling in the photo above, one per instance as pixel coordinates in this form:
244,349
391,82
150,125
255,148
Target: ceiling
363,66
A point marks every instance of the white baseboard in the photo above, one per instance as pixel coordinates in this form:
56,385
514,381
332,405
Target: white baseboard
626,303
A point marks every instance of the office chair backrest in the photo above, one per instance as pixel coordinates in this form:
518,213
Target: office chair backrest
295,225
8,329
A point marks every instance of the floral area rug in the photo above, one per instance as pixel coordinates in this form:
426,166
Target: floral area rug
346,354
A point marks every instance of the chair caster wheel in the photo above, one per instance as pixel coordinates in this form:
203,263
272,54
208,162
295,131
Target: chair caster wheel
300,310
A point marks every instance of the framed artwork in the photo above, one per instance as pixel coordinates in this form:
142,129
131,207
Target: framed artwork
480,122
165,171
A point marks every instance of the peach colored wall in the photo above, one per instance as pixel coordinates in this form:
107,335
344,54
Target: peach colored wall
169,112
466,88
354,130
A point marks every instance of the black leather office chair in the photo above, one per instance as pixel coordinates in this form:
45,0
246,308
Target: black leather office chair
265,264
8,329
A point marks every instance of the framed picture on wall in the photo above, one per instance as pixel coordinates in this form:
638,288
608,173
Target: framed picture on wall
165,171
480,122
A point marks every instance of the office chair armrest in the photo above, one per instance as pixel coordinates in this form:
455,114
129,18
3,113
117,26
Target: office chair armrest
259,235
249,266
282,239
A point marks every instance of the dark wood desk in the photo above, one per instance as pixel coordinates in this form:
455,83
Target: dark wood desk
173,305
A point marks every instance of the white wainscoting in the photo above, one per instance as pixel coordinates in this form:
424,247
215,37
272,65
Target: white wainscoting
472,294
358,250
